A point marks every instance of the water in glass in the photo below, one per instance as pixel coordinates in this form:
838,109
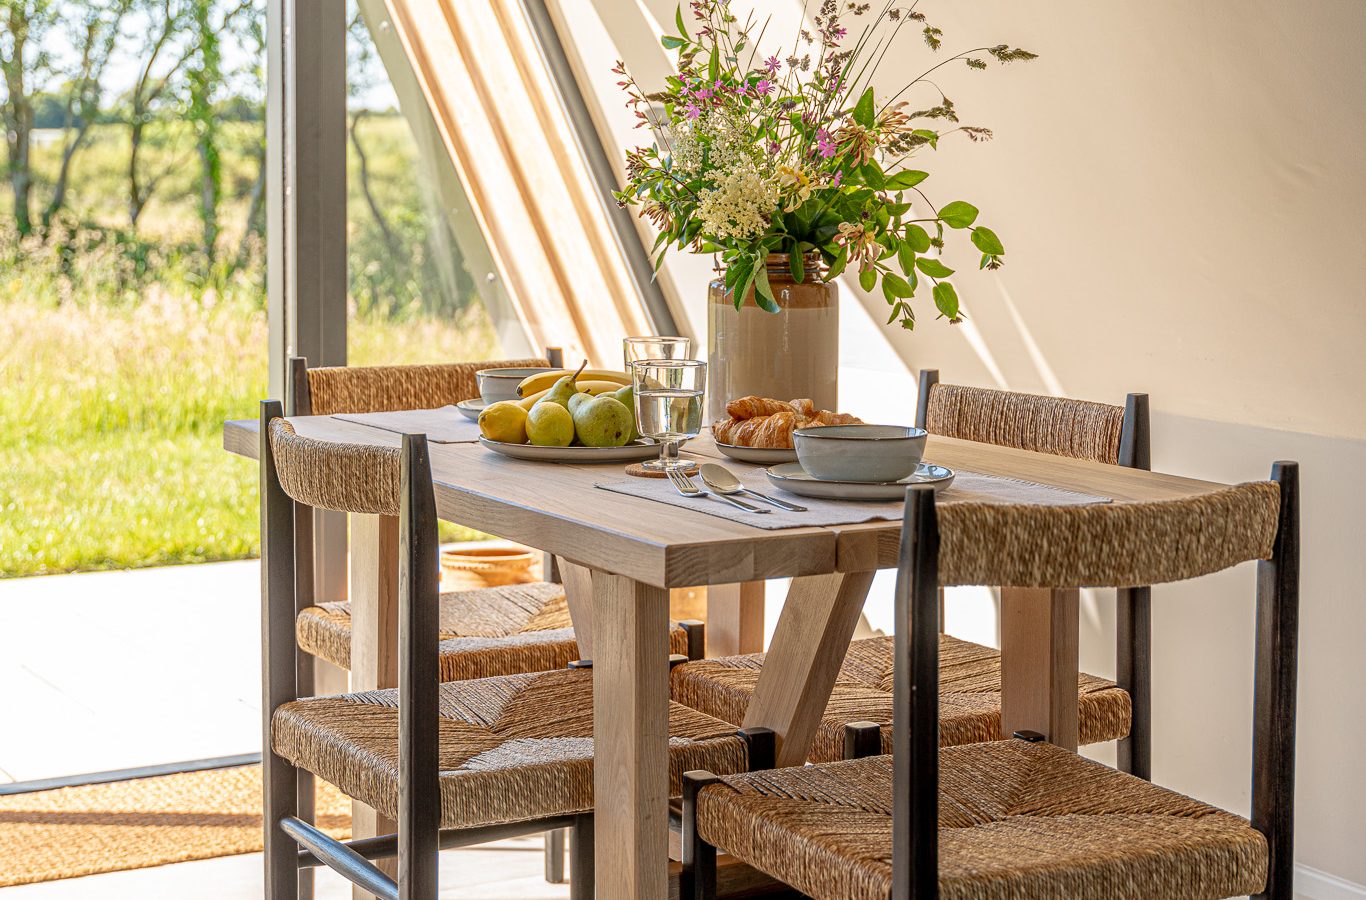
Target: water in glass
670,414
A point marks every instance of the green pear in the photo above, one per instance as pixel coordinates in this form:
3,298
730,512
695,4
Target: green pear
603,421
578,399
563,390
627,396
549,425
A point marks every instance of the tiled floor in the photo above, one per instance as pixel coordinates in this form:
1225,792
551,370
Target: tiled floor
508,869
113,670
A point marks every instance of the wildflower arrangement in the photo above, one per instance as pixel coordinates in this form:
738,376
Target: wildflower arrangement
758,154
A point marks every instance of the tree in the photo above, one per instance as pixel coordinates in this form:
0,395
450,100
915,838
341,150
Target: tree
94,30
204,78
166,19
23,64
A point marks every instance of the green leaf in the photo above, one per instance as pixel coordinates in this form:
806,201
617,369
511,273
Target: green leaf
872,176
905,256
984,239
742,292
867,279
896,312
888,292
714,65
918,238
841,260
958,214
899,287
763,294
672,43
946,299
932,267
863,112
796,265
678,20
906,179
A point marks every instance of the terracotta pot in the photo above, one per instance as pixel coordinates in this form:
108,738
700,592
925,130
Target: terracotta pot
787,355
472,566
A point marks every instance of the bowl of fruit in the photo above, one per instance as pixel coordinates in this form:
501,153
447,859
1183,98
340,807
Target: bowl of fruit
568,416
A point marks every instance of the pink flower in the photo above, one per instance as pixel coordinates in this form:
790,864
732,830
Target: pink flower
774,147
771,65
839,176
692,111
763,88
824,144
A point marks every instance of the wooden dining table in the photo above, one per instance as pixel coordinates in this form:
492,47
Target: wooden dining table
619,557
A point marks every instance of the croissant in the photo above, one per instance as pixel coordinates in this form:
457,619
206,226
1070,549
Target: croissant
805,407
753,407
722,430
764,431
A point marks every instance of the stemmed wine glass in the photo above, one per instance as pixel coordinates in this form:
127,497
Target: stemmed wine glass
655,347
668,395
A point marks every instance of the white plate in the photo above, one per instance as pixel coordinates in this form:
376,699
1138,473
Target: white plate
471,409
793,478
637,450
764,456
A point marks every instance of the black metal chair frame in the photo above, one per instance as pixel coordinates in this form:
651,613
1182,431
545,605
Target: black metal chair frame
1133,610
293,845
915,741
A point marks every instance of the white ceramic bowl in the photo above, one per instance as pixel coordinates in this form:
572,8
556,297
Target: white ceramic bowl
501,384
865,453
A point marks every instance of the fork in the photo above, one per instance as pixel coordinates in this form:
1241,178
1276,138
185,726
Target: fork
684,484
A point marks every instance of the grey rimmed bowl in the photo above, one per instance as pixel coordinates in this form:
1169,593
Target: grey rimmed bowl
501,384
864,453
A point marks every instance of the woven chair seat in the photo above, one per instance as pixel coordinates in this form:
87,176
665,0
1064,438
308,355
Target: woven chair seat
512,749
969,695
504,630
1015,820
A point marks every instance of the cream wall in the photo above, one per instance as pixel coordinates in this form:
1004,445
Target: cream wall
1180,188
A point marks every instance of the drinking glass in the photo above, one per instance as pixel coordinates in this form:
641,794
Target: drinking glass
668,394
635,349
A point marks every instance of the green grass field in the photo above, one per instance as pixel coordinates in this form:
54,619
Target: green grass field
117,370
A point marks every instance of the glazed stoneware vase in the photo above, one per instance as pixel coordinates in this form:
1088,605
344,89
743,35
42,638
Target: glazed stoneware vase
787,355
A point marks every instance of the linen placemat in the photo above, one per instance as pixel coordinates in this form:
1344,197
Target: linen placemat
441,426
967,486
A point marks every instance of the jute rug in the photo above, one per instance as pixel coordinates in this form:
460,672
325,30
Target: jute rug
77,831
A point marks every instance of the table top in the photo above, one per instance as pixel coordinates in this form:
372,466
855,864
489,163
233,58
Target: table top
556,508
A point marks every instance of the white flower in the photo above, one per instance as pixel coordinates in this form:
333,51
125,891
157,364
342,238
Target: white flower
739,206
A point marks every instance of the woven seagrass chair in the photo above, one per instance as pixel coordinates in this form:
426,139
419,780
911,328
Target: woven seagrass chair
454,763
1024,818
858,717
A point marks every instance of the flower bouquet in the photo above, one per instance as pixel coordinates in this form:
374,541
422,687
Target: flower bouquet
760,153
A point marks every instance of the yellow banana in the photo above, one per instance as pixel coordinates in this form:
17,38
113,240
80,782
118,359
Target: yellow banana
599,387
544,380
530,400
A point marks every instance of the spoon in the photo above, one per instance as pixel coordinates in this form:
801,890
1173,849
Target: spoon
723,481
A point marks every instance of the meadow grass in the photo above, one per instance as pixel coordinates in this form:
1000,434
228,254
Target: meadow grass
121,355
111,425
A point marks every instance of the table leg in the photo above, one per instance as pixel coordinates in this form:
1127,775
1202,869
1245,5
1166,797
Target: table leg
374,639
807,651
578,591
1039,663
630,738
735,618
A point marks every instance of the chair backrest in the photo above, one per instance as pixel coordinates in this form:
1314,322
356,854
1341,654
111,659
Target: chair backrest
1061,426
328,390
357,478
349,478
1113,544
